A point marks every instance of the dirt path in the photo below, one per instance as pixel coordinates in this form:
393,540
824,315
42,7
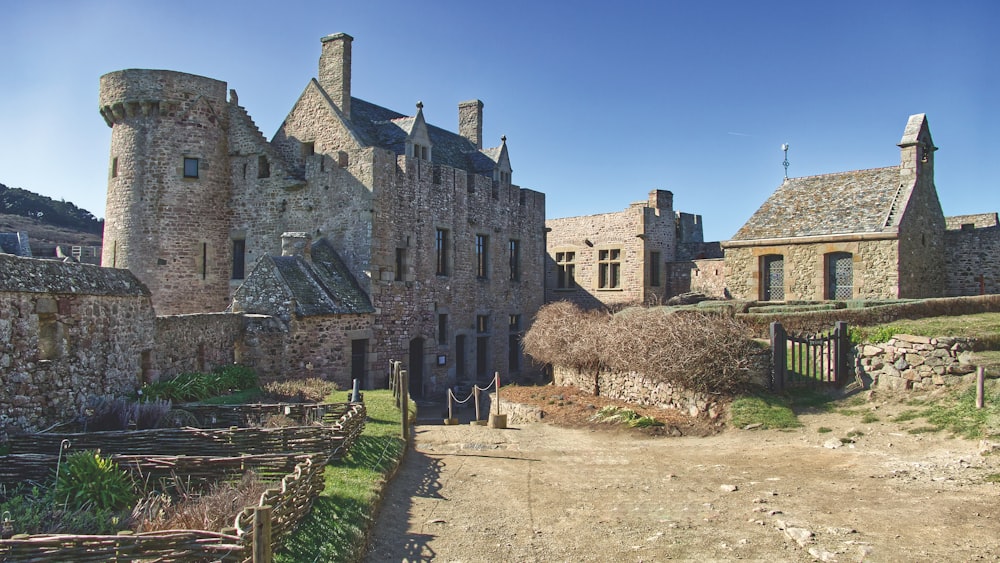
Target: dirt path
539,492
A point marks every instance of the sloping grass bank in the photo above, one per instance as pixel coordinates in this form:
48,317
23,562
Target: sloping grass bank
337,527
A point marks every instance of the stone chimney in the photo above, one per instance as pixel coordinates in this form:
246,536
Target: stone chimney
297,244
470,121
335,70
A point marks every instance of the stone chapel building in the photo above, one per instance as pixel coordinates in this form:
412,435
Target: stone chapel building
863,234
404,240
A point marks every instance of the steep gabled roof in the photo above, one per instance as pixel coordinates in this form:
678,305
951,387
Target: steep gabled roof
323,286
387,129
860,201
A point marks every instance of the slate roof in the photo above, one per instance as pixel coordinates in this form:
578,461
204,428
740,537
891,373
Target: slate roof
324,286
382,127
34,275
859,201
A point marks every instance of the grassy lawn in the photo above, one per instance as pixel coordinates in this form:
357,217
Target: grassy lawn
957,413
337,526
984,327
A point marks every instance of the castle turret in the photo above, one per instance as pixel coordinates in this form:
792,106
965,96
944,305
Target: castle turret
167,216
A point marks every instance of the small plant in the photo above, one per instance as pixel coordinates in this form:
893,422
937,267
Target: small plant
39,510
824,430
924,429
869,417
855,434
88,479
993,478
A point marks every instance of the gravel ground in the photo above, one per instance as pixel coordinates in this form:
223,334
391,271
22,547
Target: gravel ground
577,491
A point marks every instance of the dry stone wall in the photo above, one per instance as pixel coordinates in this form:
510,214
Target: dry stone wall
915,362
640,389
195,343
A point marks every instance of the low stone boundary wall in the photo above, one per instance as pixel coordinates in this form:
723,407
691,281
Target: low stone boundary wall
915,362
637,388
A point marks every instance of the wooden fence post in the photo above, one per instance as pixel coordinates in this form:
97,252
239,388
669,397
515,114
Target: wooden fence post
841,349
778,355
980,380
262,534
404,393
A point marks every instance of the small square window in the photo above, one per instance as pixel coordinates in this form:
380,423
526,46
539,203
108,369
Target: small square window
190,167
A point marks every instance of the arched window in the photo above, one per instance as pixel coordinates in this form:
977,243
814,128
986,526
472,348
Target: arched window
839,275
772,277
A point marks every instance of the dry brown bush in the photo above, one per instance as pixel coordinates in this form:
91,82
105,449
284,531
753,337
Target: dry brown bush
697,351
565,335
214,510
311,390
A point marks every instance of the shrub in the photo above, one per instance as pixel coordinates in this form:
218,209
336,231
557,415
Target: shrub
692,349
110,413
212,511
39,510
311,390
188,387
88,479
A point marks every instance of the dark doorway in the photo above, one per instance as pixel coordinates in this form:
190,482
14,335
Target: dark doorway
416,368
482,357
359,353
460,356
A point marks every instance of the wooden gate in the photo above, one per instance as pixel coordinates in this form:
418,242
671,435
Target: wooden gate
809,359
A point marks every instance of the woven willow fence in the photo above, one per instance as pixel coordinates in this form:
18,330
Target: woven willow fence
307,449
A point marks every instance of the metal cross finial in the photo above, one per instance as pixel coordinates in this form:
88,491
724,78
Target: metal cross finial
784,147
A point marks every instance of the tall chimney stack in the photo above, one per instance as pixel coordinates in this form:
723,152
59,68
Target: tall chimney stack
470,121
335,70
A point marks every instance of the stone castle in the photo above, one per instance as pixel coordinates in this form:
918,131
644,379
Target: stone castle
359,234
426,223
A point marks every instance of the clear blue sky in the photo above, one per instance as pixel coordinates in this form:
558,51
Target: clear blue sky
600,101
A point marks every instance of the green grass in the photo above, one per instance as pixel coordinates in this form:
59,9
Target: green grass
824,430
957,413
336,527
769,411
993,478
869,417
984,327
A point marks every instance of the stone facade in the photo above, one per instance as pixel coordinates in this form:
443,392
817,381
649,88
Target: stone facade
613,258
449,251
706,276
68,332
866,234
972,259
915,362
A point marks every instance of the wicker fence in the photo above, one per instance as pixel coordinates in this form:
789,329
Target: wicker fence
307,448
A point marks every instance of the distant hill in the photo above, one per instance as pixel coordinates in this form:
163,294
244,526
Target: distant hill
48,222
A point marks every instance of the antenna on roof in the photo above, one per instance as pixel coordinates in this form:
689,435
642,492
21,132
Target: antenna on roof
784,147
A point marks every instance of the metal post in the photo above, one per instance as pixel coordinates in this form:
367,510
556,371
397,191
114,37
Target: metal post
451,414
496,379
475,393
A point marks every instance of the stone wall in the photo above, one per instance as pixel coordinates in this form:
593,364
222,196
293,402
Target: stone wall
195,343
644,228
68,332
698,276
875,268
639,389
915,362
972,261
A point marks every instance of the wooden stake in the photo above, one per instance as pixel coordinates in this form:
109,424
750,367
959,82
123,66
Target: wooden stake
475,393
262,534
404,393
496,379
980,377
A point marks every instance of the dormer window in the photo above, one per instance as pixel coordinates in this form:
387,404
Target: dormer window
421,152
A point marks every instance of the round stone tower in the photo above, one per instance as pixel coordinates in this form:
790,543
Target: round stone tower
169,185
